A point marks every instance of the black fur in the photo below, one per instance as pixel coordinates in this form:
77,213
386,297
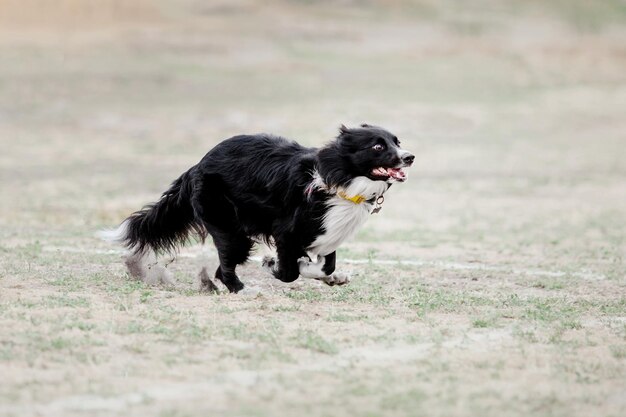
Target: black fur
165,224
253,186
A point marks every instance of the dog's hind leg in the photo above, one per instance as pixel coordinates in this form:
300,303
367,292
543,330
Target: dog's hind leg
233,250
206,285
220,220
143,266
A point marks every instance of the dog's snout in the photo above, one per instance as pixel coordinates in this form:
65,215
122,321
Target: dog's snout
408,158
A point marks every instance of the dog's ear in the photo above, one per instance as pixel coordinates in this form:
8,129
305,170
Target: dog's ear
348,138
365,125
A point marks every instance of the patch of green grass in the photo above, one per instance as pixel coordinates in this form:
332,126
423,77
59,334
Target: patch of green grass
571,324
7,351
590,16
125,287
548,284
306,294
30,250
526,335
145,295
614,307
196,332
73,323
426,300
60,343
260,354
412,399
132,327
549,309
239,331
175,413
618,351
171,326
40,342
69,282
485,322
312,341
590,371
556,337
65,300
287,308
28,304
345,317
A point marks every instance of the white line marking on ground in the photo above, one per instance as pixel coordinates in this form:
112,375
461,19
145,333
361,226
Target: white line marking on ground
458,266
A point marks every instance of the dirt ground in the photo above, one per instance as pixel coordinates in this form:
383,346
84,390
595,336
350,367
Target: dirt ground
492,282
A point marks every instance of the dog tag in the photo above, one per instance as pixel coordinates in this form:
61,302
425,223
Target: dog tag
379,204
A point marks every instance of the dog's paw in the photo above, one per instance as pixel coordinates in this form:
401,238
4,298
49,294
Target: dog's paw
140,268
337,278
206,284
304,264
306,261
310,269
136,266
269,263
166,277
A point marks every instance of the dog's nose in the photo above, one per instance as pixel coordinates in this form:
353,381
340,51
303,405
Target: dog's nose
408,159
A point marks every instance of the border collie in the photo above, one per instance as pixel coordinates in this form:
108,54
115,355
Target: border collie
304,201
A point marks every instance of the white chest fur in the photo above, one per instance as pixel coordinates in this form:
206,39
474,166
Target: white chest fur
344,217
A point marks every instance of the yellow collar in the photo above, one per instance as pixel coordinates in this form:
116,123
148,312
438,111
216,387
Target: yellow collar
357,199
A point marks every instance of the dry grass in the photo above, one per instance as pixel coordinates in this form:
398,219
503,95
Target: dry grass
513,216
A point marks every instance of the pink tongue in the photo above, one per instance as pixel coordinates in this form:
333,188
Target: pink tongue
396,173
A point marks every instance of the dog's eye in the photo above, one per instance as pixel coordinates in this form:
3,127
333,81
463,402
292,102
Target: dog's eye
378,147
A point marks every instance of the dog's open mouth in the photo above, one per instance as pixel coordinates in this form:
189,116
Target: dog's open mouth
396,173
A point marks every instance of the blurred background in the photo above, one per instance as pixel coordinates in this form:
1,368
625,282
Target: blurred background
514,108
512,224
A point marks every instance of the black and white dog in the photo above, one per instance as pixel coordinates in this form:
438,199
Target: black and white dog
305,201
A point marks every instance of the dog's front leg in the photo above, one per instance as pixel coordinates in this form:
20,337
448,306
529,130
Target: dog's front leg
323,270
285,268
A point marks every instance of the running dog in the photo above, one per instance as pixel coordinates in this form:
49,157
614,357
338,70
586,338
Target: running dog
304,201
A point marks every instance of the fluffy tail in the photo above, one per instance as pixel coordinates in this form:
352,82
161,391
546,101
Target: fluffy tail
161,226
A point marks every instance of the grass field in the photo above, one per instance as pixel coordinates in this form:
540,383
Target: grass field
492,283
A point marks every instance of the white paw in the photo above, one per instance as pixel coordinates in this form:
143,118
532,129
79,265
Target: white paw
309,269
150,273
166,277
304,262
205,282
337,278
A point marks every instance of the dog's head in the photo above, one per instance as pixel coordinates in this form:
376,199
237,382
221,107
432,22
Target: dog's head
374,152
